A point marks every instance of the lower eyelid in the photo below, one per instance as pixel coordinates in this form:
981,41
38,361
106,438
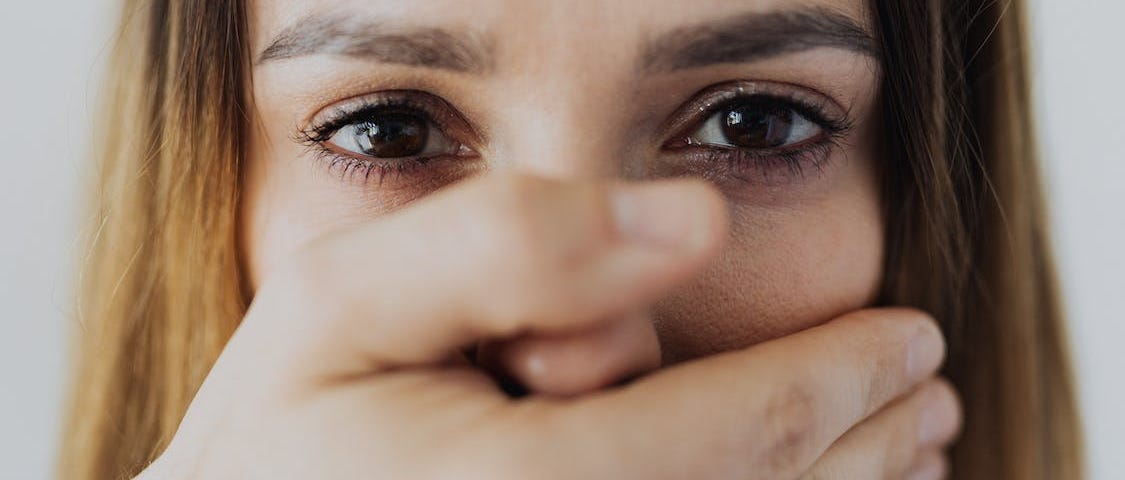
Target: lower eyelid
407,173
723,166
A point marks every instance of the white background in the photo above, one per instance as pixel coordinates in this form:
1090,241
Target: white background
49,59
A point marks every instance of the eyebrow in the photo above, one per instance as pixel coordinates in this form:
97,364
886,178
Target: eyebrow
418,46
741,39
755,36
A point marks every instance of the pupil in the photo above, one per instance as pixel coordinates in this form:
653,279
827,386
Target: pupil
393,135
758,125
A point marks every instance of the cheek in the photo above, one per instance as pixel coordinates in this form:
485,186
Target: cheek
284,204
269,222
783,270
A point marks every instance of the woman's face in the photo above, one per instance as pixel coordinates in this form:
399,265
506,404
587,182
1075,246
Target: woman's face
365,106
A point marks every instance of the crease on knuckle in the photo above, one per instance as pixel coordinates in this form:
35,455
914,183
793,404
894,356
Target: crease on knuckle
792,427
885,377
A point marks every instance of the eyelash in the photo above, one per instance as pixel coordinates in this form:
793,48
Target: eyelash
733,161
315,138
790,160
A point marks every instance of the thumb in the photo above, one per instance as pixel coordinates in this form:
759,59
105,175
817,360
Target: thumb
575,363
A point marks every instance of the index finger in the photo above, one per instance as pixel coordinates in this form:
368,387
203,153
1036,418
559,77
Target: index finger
766,412
494,258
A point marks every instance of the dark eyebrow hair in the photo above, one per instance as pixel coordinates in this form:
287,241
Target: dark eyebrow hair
755,36
419,46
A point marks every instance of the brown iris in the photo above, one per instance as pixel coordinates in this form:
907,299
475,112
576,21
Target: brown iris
758,124
393,135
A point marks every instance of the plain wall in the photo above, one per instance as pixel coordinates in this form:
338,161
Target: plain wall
48,83
1080,74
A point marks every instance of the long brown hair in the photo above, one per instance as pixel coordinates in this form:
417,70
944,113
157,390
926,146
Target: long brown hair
966,226
967,230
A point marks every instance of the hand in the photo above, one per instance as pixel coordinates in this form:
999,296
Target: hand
348,364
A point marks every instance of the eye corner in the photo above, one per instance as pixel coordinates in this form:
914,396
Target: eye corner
678,142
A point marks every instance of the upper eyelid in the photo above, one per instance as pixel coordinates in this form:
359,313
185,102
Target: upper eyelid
351,107
434,108
705,102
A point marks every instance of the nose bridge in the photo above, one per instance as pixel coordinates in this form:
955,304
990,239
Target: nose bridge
560,136
559,96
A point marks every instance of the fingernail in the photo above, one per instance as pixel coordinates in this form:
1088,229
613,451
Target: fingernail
937,420
927,468
924,352
679,217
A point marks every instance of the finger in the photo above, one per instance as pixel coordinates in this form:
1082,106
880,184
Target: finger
576,363
887,445
930,465
764,413
494,258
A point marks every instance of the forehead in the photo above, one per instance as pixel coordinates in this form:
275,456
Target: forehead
538,27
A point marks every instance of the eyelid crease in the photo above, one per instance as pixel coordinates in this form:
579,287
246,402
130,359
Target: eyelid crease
346,112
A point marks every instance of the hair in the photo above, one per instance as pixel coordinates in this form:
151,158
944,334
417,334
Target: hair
162,288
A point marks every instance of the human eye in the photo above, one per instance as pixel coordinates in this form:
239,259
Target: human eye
390,135
759,132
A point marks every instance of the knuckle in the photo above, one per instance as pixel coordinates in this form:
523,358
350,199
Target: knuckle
536,236
792,426
549,218
306,281
518,305
312,295
508,225
880,344
302,304
881,375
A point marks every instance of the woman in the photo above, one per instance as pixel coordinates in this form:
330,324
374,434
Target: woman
528,240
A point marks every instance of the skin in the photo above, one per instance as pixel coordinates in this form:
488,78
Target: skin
569,250
800,252
340,373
